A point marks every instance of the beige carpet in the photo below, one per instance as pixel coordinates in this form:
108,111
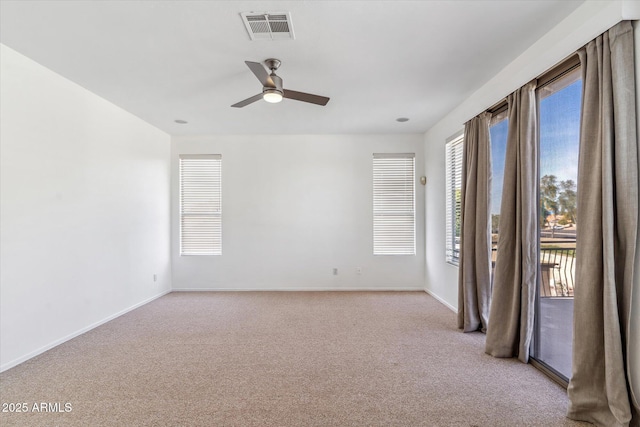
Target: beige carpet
282,359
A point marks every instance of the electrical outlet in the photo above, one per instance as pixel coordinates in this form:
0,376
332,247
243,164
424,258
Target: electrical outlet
358,270
335,271
155,277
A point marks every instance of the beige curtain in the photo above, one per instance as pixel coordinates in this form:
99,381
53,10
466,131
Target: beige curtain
474,280
514,281
608,207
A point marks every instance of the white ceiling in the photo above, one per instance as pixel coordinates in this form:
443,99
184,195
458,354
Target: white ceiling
376,60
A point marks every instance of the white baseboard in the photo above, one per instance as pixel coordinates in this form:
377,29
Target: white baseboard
441,301
57,342
323,289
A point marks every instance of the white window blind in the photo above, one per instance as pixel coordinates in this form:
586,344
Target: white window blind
394,204
200,204
454,150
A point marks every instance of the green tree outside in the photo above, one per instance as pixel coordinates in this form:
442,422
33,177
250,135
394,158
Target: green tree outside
557,198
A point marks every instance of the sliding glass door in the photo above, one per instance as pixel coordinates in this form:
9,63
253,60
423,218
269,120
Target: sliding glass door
559,109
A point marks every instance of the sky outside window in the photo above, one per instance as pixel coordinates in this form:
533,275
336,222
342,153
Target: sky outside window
559,139
560,132
498,133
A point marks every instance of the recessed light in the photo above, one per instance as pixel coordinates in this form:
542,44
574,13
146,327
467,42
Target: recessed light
181,122
402,119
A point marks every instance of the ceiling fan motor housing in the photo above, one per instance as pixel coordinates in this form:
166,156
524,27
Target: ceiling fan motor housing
277,81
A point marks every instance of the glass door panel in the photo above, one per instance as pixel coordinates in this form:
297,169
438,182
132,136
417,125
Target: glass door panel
559,107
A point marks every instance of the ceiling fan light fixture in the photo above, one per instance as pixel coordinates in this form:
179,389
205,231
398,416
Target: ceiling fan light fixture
272,95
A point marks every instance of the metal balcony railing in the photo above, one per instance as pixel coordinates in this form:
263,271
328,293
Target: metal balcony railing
558,271
557,267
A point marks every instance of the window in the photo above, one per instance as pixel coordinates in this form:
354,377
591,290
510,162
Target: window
498,133
453,197
394,204
559,104
200,204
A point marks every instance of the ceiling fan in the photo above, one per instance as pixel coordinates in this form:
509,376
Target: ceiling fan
272,90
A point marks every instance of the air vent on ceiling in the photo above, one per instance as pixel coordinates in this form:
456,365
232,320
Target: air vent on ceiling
268,25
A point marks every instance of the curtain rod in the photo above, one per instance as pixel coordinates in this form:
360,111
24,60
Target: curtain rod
563,67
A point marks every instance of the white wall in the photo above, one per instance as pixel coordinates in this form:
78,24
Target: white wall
586,23
84,210
295,207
